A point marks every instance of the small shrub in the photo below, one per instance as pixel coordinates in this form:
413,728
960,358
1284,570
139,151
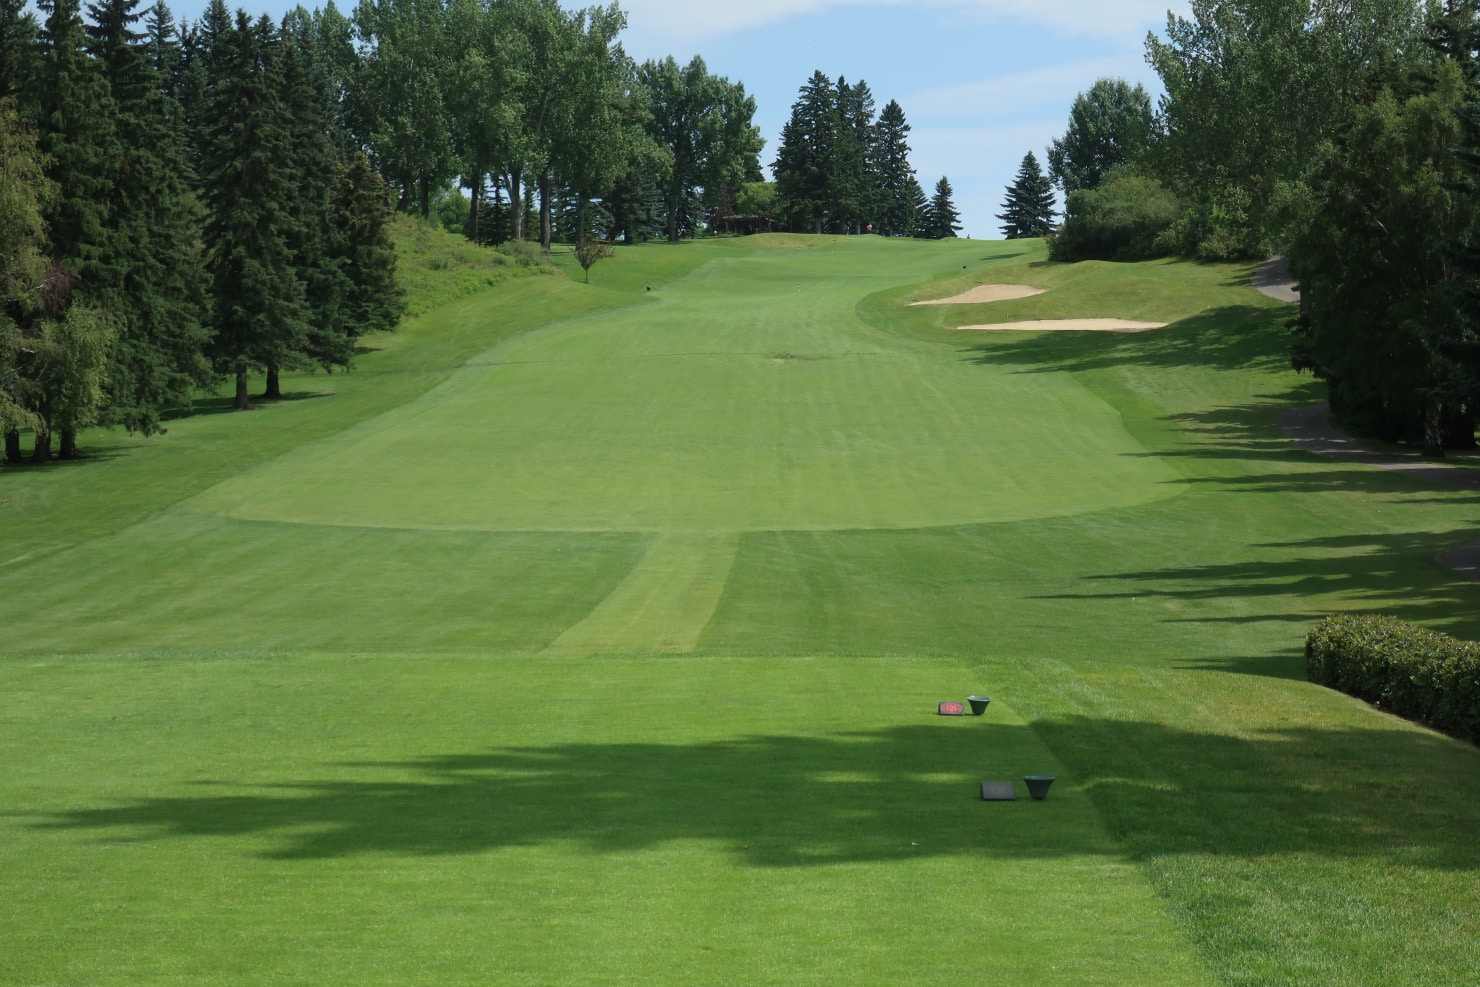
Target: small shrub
1411,671
525,253
1124,219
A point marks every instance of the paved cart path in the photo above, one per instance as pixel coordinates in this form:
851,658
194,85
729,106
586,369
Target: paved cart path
1311,429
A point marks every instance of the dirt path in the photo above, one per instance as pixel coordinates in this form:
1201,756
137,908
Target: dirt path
1273,280
1311,429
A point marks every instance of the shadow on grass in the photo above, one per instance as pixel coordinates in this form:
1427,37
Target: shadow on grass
1396,573
86,456
1230,337
226,404
893,794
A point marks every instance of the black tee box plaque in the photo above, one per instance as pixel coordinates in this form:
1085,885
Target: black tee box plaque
952,709
998,791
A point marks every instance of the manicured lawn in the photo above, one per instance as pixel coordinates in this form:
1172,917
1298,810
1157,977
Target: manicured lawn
594,634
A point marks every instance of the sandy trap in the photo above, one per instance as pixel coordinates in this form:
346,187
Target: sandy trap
1067,325
986,293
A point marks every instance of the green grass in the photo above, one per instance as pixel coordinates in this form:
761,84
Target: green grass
434,267
594,634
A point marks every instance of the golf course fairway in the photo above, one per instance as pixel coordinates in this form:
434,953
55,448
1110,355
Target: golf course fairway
594,634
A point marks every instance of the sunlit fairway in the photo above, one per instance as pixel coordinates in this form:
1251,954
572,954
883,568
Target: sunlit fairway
593,634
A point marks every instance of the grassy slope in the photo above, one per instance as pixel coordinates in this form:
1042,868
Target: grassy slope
787,817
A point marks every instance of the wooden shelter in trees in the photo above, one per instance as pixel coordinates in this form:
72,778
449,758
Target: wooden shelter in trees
746,225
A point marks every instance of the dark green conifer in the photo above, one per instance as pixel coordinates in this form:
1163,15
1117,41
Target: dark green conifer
18,30
1028,210
313,235
149,277
805,158
24,189
373,301
943,221
260,310
917,209
851,185
889,159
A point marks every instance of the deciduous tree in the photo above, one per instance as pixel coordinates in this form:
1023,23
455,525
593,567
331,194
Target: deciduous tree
1109,125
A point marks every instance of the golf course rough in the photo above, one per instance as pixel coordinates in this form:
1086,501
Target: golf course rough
595,634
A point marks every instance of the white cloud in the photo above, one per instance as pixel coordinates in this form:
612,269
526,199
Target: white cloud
1005,95
688,21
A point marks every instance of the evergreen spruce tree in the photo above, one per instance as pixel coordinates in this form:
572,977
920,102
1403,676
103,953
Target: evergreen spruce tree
889,162
202,45
313,234
804,161
1028,210
260,309
149,277
18,30
163,47
916,209
76,119
943,221
373,300
24,188
636,205
851,185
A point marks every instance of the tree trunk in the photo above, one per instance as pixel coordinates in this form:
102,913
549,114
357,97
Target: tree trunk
273,388
672,223
1433,429
516,205
424,190
243,403
68,449
471,230
547,226
13,446
42,452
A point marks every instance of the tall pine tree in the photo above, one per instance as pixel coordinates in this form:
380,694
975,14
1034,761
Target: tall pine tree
851,186
260,309
889,159
1028,210
372,302
313,232
18,30
76,118
149,276
804,161
942,222
24,188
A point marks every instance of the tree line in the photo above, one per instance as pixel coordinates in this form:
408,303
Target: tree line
179,207
187,204
1344,134
843,169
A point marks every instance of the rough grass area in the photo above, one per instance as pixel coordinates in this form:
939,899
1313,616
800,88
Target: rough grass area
435,267
594,633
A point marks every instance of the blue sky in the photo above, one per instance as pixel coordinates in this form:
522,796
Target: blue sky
982,82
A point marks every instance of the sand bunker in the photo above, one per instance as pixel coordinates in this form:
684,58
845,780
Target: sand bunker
986,293
1068,325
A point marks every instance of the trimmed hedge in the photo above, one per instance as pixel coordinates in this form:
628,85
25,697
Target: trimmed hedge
1408,670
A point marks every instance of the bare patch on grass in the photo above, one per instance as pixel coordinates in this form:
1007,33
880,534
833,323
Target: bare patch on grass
983,293
1067,325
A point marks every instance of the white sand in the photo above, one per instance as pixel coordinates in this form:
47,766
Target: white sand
1069,325
986,293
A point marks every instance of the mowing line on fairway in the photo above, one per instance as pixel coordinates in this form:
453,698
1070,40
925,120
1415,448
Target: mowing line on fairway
665,602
